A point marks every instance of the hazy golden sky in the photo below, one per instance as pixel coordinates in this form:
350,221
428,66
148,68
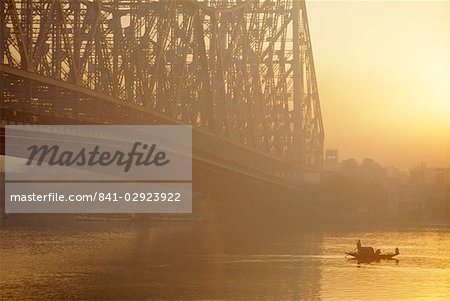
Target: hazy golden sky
383,71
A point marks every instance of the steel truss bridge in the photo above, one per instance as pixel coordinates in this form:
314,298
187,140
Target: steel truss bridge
240,72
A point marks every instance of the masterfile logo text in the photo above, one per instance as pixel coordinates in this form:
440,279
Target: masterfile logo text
98,169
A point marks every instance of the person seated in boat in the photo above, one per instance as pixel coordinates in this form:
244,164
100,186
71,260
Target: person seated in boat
397,251
378,251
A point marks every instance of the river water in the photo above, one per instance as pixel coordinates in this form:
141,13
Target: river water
68,259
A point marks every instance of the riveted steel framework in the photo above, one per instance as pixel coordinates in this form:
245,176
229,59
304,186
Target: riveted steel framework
238,69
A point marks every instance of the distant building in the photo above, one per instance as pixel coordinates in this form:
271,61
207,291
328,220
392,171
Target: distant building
350,167
331,162
423,175
443,177
423,195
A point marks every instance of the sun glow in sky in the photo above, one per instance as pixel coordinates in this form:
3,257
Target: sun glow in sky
383,70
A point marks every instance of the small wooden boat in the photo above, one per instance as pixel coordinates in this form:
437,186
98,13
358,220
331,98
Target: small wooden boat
371,257
367,254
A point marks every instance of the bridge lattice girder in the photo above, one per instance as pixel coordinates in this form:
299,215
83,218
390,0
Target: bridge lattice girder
238,69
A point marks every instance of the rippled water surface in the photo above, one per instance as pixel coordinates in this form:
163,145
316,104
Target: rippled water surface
106,260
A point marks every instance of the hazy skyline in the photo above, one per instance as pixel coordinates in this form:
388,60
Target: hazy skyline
383,70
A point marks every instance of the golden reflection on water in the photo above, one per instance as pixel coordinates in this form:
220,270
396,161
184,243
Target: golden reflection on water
176,261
